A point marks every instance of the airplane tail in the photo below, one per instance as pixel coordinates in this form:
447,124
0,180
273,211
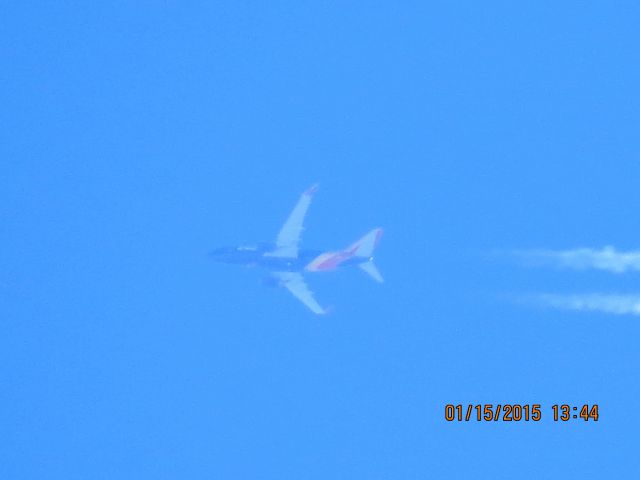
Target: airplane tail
366,245
361,251
364,248
370,269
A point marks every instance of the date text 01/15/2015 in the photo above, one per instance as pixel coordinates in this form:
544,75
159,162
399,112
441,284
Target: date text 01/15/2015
518,412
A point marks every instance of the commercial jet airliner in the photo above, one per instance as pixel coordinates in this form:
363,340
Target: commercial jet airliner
287,262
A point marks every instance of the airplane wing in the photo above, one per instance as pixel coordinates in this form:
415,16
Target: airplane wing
289,235
294,282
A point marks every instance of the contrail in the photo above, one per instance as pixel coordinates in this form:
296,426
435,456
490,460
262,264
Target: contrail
607,259
617,304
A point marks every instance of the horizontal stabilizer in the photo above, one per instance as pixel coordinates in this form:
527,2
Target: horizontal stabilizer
365,246
371,269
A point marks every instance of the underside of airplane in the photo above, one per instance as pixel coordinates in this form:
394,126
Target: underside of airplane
287,262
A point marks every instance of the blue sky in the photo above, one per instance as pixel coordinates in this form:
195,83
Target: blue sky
137,136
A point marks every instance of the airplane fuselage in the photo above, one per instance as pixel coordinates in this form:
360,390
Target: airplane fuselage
287,263
261,256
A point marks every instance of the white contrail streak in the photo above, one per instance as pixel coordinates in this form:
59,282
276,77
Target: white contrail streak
608,259
617,304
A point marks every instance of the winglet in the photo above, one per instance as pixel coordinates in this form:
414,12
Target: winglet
312,189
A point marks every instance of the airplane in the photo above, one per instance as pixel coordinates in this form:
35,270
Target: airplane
287,262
